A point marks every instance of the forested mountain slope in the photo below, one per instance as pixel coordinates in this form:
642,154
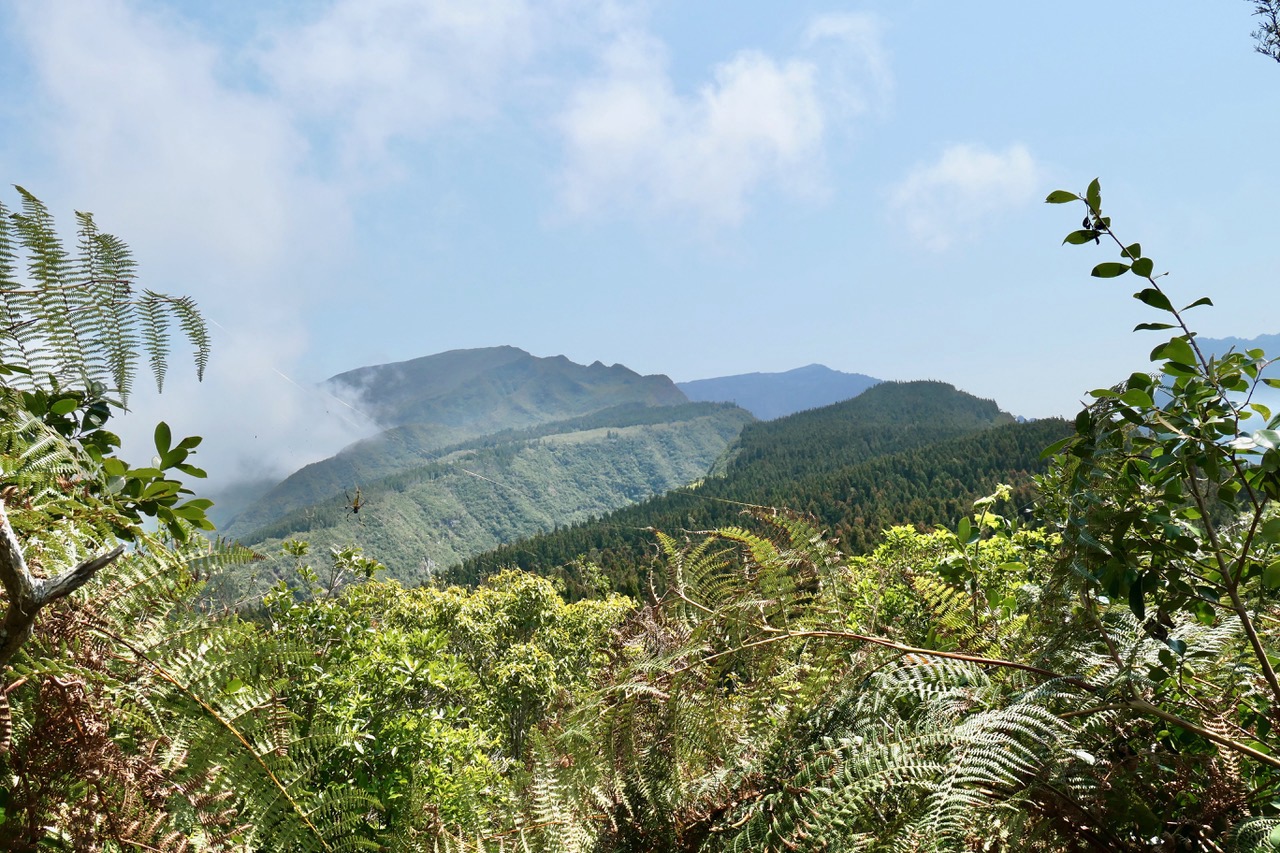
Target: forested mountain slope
435,402
486,390
775,395
481,493
915,452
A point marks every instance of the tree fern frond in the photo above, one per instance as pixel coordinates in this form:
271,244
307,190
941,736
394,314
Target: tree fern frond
106,273
75,322
50,267
155,334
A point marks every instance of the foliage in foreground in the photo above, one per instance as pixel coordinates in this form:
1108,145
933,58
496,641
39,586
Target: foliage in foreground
1103,680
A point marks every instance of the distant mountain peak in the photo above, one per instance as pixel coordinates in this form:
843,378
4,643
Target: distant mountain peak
774,395
503,386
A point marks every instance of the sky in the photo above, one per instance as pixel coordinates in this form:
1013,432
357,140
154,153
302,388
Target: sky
690,188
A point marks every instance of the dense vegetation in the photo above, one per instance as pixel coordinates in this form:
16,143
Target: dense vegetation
915,452
500,488
442,403
1103,678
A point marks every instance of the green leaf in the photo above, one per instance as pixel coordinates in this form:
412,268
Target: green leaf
1052,449
190,513
1137,602
114,467
163,438
1132,252
65,406
1110,269
1153,327
173,458
1268,438
1172,368
1060,197
1154,298
1271,575
1077,238
1094,196
1175,350
1270,531
1137,397
1143,267
1271,382
1203,300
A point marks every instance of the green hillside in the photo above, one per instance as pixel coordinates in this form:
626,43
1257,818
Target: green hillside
432,403
914,452
482,493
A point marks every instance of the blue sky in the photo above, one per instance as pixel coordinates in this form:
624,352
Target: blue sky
689,188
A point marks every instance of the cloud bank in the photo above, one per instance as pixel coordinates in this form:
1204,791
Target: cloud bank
948,200
633,142
236,166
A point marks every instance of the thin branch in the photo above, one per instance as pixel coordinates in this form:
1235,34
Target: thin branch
27,593
780,635
1234,746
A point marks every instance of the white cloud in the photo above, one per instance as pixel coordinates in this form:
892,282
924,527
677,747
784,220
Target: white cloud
211,187
850,48
942,202
634,141
198,175
381,69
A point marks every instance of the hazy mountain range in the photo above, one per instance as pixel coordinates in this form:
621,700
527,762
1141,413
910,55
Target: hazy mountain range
483,447
774,395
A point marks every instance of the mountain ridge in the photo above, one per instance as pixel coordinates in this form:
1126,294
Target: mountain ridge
847,464
774,395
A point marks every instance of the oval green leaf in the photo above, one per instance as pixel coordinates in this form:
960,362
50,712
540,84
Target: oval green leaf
1094,195
1154,298
1175,350
163,438
65,406
1111,269
1077,238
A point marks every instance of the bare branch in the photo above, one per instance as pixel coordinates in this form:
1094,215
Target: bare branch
1267,35
27,593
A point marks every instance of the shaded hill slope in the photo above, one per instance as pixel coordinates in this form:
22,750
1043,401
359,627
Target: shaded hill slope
478,494
899,453
432,403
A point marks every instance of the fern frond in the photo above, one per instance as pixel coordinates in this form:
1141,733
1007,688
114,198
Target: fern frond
107,272
75,322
